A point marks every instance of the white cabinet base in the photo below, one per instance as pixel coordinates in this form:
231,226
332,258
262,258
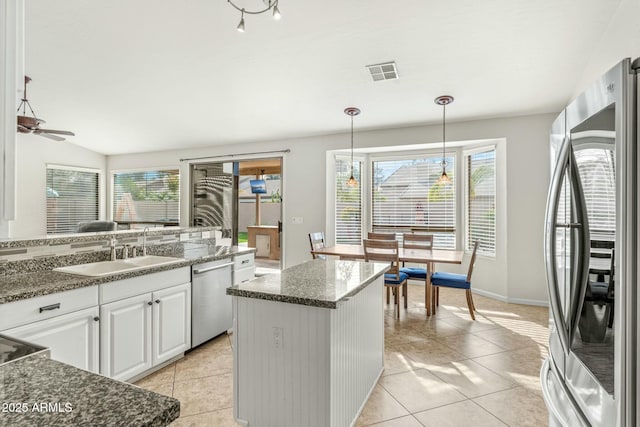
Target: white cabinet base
296,365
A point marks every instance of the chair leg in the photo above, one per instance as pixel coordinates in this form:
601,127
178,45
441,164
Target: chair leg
404,288
437,295
470,304
473,304
387,288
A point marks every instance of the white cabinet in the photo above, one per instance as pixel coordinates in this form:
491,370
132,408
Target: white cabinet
142,331
72,338
125,337
243,268
171,322
66,322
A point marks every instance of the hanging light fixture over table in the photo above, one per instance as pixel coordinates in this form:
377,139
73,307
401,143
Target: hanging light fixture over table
444,100
271,5
352,111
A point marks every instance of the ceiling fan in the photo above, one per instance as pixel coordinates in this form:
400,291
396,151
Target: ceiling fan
31,124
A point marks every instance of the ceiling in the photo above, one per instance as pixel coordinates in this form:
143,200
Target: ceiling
142,75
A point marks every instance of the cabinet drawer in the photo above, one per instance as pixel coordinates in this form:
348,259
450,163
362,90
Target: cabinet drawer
243,275
243,261
120,289
22,312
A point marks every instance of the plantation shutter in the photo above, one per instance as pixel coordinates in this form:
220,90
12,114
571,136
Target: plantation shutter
72,198
481,201
348,211
407,197
149,197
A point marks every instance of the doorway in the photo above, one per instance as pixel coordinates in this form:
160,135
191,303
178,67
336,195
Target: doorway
244,199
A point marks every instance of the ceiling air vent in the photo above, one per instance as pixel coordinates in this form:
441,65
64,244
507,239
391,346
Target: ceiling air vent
384,71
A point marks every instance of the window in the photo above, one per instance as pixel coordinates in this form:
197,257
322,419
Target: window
348,203
406,196
72,197
149,197
597,174
481,201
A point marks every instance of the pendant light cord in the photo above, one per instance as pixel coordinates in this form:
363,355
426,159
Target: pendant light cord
351,145
444,109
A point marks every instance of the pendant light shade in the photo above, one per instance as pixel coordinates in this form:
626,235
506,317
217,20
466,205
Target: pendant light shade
444,100
352,111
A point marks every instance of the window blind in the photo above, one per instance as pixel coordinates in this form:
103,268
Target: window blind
407,197
72,197
348,211
481,201
597,175
149,197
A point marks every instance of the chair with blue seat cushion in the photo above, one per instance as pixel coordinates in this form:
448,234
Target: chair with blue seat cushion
417,241
457,281
387,251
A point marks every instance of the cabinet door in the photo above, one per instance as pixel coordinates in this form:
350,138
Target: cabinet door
72,338
125,337
171,322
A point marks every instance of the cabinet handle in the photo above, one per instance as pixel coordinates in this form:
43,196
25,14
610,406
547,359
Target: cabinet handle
157,301
215,267
50,307
96,319
150,303
246,261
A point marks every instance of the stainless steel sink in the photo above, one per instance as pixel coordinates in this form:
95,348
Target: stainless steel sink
105,268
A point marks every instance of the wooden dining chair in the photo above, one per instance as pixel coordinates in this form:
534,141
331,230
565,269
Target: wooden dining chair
416,241
316,239
387,251
381,236
458,281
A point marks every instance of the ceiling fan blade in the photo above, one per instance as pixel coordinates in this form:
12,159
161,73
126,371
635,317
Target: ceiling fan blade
51,136
24,129
59,132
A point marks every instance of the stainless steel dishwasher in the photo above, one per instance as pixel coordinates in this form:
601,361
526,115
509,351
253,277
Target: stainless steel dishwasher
211,307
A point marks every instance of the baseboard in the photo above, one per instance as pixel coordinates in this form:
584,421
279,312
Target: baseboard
502,298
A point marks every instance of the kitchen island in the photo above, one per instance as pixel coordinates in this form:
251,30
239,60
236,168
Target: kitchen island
308,344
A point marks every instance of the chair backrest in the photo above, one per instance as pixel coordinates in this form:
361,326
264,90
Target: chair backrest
316,240
417,241
90,226
382,250
612,273
381,236
473,260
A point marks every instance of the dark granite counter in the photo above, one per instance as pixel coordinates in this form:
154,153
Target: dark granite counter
318,283
16,287
37,391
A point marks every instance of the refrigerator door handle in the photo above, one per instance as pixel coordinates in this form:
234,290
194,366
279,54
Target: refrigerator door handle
582,251
550,244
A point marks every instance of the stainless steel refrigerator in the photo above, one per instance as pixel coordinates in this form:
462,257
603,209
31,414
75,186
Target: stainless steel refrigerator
591,256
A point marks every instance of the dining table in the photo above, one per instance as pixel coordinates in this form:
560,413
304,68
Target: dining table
429,257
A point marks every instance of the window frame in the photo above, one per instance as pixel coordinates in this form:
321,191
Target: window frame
361,184
114,172
466,154
99,193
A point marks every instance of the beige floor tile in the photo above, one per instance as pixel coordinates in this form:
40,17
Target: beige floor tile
395,361
470,345
408,421
381,406
516,407
507,339
458,414
161,388
420,390
220,362
481,323
429,354
161,376
221,418
520,366
471,378
204,394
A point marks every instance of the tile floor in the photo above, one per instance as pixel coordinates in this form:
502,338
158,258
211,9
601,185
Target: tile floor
446,370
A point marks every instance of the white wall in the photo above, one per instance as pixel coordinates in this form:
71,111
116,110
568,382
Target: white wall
518,272
33,154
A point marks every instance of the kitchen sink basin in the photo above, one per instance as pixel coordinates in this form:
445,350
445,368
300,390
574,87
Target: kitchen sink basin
105,268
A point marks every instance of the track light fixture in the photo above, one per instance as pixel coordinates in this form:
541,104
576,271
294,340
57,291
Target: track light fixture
271,5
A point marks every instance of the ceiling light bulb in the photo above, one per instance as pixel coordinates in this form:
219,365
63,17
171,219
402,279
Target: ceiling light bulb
240,26
352,182
276,13
444,178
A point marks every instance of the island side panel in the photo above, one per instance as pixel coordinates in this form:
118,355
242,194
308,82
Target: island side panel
281,376
357,357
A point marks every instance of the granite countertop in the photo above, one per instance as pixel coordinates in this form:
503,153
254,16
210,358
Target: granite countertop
317,283
28,285
50,393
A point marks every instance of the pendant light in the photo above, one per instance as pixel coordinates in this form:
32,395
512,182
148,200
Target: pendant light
352,111
444,100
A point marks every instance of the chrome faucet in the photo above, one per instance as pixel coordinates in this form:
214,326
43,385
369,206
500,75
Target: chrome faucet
144,241
125,251
112,246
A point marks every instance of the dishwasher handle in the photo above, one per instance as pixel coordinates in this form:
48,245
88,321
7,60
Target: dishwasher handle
215,267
